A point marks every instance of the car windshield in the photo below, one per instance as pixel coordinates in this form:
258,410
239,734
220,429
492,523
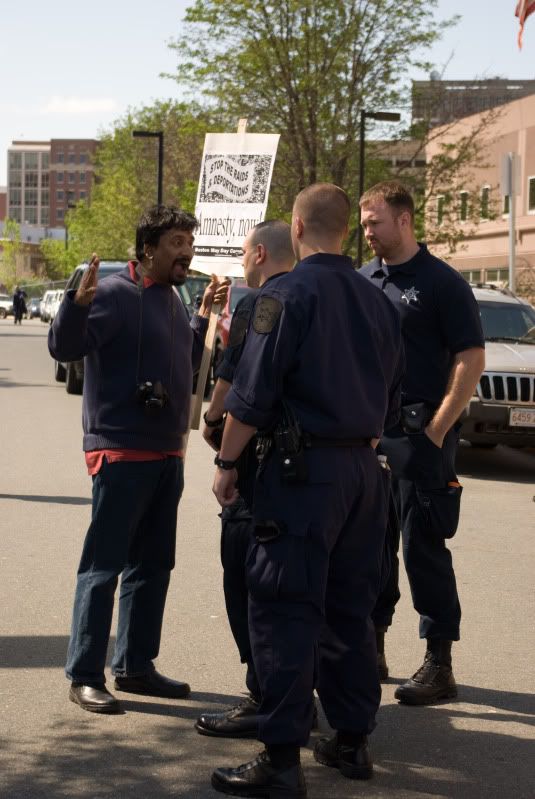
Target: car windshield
508,322
236,293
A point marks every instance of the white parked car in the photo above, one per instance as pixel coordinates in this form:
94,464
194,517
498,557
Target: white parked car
502,411
6,306
55,303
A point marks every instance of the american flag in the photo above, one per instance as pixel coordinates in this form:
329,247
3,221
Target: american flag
523,9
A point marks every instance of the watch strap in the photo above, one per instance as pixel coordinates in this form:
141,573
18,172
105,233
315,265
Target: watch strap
226,465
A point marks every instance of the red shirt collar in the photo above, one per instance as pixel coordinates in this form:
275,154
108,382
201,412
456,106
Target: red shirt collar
147,281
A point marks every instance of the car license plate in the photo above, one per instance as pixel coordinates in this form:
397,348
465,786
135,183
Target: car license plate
522,417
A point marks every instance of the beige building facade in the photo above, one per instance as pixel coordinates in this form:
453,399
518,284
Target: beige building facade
483,255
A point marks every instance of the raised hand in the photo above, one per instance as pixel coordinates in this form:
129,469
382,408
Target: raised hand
88,285
215,293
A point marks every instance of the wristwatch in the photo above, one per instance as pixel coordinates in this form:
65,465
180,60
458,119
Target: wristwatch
226,465
214,423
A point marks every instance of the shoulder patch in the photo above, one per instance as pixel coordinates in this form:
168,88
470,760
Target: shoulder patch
266,315
238,329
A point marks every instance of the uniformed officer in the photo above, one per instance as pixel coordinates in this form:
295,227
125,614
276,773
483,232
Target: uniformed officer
267,252
319,377
445,356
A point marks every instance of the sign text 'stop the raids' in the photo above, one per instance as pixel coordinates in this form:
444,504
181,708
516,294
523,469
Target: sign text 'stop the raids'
235,178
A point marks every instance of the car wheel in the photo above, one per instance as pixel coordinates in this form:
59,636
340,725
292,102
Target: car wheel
3,313
73,384
60,373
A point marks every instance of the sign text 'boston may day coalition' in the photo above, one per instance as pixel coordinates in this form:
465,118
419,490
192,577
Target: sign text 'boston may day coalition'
232,197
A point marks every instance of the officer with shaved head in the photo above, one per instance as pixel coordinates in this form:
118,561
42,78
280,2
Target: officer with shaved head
318,381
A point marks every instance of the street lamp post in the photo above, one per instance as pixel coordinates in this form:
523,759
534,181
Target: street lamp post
383,116
154,134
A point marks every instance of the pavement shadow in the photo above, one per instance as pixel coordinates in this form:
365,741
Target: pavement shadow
5,383
502,463
47,498
36,651
449,751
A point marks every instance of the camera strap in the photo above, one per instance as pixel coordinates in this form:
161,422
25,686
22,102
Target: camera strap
141,289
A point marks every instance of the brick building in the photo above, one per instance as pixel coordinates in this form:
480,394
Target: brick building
71,175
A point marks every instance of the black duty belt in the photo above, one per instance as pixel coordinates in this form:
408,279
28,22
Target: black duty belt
313,442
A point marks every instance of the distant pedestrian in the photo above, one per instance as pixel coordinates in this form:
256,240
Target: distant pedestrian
19,305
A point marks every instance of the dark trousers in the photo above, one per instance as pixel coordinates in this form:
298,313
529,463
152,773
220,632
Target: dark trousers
314,571
133,532
236,530
416,463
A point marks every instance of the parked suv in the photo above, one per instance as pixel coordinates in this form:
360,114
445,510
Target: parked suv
72,373
6,306
502,410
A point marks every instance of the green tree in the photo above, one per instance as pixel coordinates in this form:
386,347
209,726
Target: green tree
126,177
11,253
305,69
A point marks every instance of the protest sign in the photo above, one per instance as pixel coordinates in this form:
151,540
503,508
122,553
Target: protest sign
232,197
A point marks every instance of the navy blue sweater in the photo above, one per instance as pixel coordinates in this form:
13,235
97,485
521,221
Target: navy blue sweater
106,333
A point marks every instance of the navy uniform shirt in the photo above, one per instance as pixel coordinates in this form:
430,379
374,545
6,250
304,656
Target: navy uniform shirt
439,318
323,338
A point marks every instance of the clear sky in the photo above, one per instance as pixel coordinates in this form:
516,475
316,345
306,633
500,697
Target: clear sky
70,70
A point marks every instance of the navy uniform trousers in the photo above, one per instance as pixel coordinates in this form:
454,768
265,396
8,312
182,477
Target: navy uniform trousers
313,573
417,464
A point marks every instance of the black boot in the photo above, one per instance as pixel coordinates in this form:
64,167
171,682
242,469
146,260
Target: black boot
434,679
350,755
382,666
261,777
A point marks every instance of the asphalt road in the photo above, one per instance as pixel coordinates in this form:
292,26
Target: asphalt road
480,747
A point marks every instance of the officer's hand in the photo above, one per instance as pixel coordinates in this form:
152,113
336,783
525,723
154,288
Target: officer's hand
213,436
88,286
215,294
224,488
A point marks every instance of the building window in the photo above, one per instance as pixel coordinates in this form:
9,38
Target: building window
59,196
30,216
59,177
505,208
45,216
15,214
441,201
71,197
72,158
45,180
463,206
59,214
15,197
83,158
472,276
45,197
31,160
72,177
45,159
82,177
60,158
30,197
31,180
15,179
15,160
82,195
531,194
485,202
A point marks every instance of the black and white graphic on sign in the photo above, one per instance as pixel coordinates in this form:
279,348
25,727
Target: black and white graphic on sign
235,178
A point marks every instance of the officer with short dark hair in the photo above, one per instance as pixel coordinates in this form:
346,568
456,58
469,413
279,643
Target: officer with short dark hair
319,378
444,347
267,253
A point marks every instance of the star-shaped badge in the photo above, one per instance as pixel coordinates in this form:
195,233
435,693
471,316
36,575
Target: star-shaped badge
409,295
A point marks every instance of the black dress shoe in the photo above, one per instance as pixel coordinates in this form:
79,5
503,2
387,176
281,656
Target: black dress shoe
434,679
240,721
260,778
353,762
94,698
153,684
